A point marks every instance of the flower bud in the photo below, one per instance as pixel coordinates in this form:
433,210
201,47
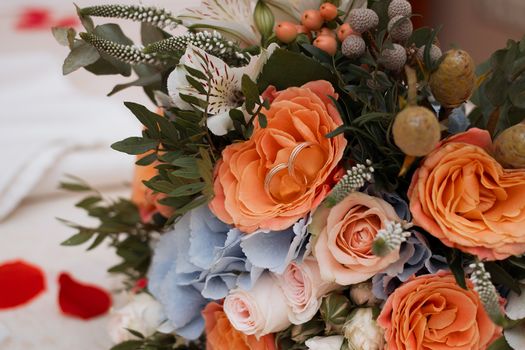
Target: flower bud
361,294
264,19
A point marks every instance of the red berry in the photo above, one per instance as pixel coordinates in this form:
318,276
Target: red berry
286,32
344,31
312,19
326,31
303,30
326,43
328,11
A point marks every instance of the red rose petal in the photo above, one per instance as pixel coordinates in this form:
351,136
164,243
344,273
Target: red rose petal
34,18
82,300
20,282
67,22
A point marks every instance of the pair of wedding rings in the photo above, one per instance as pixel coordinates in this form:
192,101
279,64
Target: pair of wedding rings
290,166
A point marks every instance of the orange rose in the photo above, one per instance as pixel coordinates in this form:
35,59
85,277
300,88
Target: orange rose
144,198
463,196
280,174
344,236
220,335
432,312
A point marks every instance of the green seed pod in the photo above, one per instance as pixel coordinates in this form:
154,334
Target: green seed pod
264,19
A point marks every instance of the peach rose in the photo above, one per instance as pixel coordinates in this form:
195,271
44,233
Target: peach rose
144,198
344,237
249,194
220,335
432,312
461,195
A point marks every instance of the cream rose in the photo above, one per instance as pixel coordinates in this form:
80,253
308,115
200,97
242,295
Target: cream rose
259,311
344,237
142,314
333,342
303,289
362,331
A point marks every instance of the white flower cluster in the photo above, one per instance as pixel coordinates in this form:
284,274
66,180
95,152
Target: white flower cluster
355,178
152,15
211,42
391,237
486,291
126,53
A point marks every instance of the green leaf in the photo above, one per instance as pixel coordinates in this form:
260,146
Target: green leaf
500,344
420,36
196,84
128,345
187,173
145,116
147,160
75,187
517,92
88,202
263,122
192,205
80,56
496,88
135,333
194,101
81,237
335,308
98,240
285,68
455,263
188,190
86,21
250,91
142,81
64,36
196,73
150,34
135,145
500,276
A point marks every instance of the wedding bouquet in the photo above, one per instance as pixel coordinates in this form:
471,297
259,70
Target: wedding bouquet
311,179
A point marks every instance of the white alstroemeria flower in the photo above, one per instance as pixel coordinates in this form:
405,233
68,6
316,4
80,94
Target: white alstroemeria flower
225,85
231,17
293,9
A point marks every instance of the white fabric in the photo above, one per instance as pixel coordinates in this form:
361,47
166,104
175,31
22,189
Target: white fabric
33,234
43,120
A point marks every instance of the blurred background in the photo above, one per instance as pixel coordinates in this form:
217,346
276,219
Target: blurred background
51,125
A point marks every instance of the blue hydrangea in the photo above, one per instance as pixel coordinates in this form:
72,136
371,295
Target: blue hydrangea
199,260
414,256
399,205
202,258
275,250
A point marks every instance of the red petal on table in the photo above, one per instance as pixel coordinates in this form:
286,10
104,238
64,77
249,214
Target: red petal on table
34,18
82,300
67,22
20,282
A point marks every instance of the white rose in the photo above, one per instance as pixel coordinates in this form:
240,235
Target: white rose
362,294
260,311
362,331
143,314
303,288
333,342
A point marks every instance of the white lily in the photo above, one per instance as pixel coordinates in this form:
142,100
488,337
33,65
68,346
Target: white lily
295,8
224,87
231,17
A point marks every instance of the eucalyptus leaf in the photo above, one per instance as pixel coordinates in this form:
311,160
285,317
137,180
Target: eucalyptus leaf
80,56
81,237
64,36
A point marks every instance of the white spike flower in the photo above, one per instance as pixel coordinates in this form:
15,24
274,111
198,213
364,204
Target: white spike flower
231,17
224,86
